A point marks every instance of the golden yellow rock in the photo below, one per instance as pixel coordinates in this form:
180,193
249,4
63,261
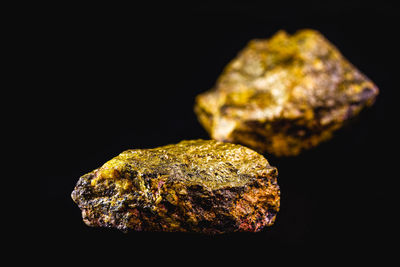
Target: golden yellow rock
201,186
284,94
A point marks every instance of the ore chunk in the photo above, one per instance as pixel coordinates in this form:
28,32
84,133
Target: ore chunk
193,186
284,95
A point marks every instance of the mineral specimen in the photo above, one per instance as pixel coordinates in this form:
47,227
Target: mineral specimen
193,186
284,95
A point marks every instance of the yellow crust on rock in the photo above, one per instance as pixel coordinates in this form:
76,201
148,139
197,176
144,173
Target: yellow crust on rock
194,186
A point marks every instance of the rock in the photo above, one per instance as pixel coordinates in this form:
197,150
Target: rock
193,186
284,95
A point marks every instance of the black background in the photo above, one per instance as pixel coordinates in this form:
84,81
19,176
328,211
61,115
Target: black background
109,79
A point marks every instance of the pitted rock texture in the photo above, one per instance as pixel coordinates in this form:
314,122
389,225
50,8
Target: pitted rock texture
194,186
284,94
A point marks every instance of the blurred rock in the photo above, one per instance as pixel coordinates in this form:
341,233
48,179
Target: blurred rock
284,94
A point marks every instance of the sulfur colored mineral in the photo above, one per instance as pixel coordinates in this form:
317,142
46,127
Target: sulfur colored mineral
284,94
194,186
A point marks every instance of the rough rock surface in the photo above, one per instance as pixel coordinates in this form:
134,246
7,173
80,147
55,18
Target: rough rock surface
284,94
193,186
